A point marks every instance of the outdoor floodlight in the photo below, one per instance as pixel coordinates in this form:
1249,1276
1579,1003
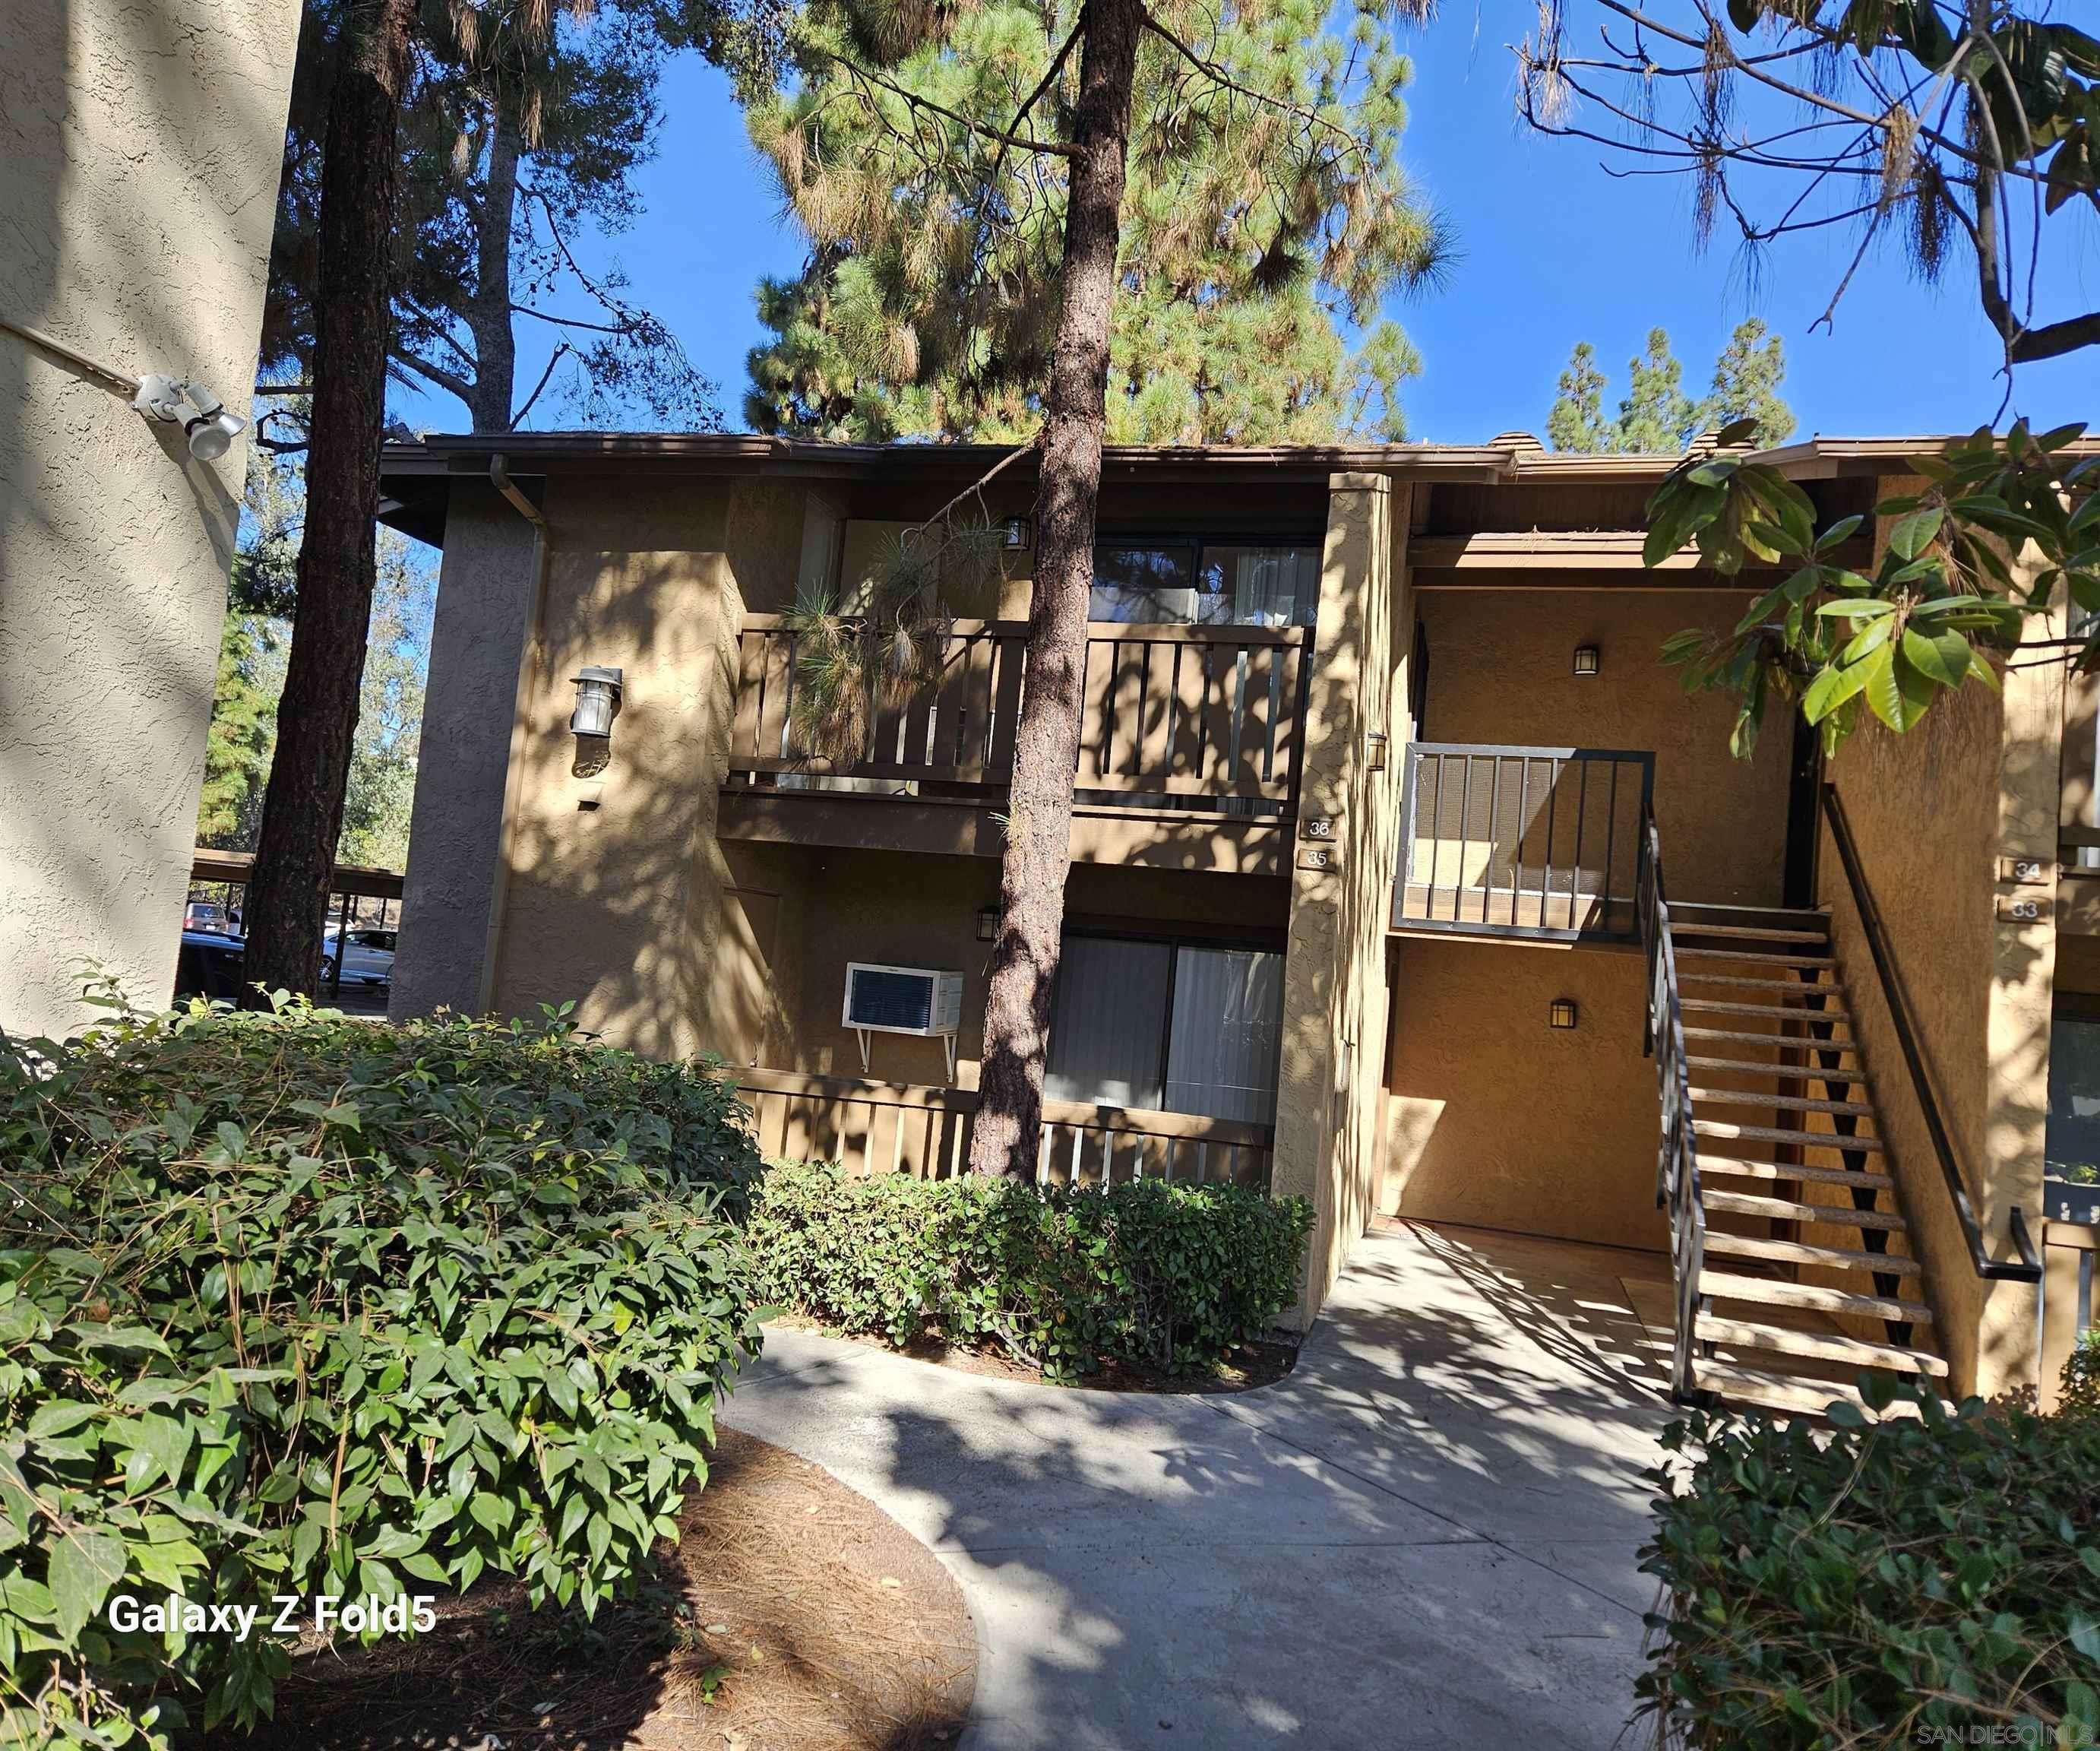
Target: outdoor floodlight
210,428
1586,659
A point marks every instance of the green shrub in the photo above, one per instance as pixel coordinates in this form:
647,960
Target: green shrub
299,1305
1902,1582
1173,1275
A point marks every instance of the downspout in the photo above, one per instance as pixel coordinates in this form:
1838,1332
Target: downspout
528,674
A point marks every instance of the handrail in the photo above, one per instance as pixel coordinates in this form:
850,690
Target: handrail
2028,1269
1677,1161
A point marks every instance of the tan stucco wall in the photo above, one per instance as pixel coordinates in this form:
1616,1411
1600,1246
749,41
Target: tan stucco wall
1330,1102
1501,670
1500,1122
705,542
141,146
1932,812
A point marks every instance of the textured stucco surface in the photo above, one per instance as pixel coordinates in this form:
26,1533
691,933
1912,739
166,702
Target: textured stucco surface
1501,670
1497,1119
478,639
1932,812
141,146
1330,1099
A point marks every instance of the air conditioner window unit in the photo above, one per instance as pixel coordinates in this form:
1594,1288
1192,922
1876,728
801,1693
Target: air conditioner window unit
915,1000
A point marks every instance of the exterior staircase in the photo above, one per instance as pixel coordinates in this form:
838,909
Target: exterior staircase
1785,1142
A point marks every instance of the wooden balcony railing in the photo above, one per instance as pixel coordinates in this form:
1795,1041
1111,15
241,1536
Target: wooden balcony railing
1523,842
1170,711
870,1127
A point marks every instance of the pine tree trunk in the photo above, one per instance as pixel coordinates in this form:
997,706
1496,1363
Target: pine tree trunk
488,315
1023,967
317,716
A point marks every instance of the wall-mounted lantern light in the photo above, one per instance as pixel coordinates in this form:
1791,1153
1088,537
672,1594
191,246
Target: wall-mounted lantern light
1019,532
1588,659
598,704
988,924
1374,747
1561,1013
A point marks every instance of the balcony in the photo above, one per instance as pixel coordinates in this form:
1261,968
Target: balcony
1185,730
1541,843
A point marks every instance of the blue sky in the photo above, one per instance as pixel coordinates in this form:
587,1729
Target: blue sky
1552,249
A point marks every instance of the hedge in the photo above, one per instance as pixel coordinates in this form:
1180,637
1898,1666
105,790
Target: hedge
1148,1271
1929,1579
299,1305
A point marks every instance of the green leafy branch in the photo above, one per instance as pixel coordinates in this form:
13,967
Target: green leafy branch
2002,528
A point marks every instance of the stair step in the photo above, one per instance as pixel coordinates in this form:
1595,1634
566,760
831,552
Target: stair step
1820,1346
1786,1011
1801,1253
1756,957
1795,1210
1745,932
1771,1292
1822,1176
1741,982
1786,1073
1766,1134
1780,1392
1744,1097
1792,1041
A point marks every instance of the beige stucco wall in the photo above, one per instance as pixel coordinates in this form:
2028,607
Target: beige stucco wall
1330,1102
644,574
1497,1119
1932,812
141,146
1501,670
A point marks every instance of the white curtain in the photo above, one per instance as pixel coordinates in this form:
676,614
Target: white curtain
1107,1023
1221,1055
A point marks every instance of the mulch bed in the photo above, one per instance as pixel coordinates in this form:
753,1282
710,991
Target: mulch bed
792,1615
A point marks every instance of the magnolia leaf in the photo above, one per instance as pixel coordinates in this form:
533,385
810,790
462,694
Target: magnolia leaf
1914,533
1928,657
1831,689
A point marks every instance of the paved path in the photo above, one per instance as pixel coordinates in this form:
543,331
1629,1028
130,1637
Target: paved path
1423,1536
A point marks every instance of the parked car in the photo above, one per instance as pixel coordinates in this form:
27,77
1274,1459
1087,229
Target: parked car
368,960
209,965
210,917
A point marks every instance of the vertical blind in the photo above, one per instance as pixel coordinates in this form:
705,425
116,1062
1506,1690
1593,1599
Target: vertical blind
1173,1027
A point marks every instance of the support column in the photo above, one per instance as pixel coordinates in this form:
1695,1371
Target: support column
1331,1097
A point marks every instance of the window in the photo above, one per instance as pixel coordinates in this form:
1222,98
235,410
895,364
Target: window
1173,1026
1177,583
2071,1151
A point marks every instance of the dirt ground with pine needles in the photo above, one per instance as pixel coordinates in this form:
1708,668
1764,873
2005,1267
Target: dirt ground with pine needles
792,1615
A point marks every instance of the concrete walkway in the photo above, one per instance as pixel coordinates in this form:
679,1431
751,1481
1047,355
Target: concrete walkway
1424,1535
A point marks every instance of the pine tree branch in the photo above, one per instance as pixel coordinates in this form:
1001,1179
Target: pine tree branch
560,352
448,380
1212,70
982,480
915,104
572,322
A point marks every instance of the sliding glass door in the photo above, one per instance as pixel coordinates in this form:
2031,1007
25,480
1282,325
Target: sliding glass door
1174,1026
